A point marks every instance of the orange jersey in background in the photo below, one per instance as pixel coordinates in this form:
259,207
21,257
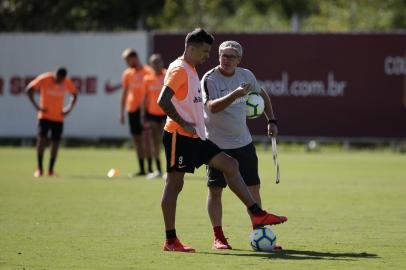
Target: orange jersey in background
52,95
133,80
153,85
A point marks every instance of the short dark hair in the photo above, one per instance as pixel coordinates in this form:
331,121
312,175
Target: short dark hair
199,35
61,72
129,53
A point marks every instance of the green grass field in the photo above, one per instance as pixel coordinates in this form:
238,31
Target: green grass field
347,210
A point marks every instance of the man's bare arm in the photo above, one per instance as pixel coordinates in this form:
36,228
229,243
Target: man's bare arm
72,102
268,105
220,104
164,101
30,93
123,101
272,127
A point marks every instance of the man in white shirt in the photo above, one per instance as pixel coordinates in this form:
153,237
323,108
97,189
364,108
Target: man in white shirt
225,90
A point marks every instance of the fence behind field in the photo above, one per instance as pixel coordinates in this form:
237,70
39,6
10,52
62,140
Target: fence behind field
333,86
328,86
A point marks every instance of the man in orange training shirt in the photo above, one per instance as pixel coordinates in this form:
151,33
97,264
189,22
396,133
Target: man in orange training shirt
155,116
185,142
132,99
52,88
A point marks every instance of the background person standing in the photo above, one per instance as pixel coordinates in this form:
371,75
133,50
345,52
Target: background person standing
52,87
132,99
154,115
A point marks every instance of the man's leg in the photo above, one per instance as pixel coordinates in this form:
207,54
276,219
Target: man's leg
254,191
155,142
134,120
230,169
148,147
157,134
215,210
41,144
43,130
173,186
137,140
56,135
214,205
54,154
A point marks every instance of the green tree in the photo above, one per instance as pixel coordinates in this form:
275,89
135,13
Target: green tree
215,15
86,15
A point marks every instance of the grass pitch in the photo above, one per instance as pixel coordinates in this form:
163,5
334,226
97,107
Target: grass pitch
347,210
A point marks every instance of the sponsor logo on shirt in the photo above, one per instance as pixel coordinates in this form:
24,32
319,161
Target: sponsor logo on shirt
197,99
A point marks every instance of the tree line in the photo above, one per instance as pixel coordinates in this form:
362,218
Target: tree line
215,15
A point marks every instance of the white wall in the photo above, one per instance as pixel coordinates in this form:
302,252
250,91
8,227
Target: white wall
95,57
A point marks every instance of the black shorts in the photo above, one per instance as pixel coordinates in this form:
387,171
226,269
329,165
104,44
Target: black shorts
56,128
248,165
155,118
184,154
134,119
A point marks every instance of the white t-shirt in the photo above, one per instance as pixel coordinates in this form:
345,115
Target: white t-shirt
228,128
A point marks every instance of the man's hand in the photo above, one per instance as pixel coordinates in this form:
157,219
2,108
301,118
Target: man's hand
66,110
220,104
272,130
189,127
71,104
164,101
242,90
30,94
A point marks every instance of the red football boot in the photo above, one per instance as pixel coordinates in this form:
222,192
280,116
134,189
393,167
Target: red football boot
267,219
221,243
176,245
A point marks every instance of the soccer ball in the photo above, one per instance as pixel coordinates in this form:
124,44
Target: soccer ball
254,106
262,239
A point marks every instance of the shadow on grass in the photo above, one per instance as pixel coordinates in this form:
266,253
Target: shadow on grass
291,254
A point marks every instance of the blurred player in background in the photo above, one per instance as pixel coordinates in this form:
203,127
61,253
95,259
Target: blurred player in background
186,146
224,92
52,87
154,115
132,100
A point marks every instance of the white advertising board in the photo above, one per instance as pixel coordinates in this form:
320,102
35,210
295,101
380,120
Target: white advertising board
93,61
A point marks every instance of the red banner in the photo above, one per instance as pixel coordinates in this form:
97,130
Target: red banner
327,85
